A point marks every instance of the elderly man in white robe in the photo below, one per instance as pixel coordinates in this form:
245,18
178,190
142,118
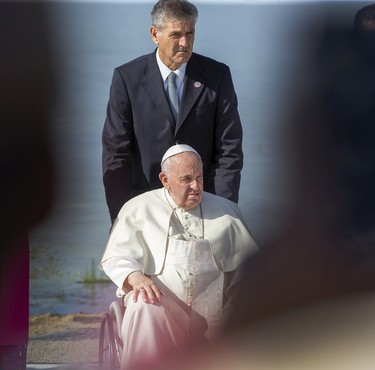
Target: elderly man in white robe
174,253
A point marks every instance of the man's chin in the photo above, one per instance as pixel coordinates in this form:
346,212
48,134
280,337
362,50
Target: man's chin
193,201
183,57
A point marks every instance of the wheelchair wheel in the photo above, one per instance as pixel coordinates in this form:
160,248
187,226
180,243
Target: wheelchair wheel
109,351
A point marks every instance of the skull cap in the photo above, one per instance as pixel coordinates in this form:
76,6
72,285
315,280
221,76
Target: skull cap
177,149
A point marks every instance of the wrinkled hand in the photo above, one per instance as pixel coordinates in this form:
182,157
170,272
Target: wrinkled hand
144,287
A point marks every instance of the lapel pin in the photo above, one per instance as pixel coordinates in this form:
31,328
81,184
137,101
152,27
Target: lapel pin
197,84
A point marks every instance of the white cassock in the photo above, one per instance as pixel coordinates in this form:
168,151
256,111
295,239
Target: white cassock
186,253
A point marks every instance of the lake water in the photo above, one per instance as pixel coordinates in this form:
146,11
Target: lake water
264,47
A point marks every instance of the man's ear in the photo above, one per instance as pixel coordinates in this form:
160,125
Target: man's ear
164,179
154,35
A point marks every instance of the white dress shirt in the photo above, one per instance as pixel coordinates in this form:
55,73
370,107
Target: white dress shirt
165,72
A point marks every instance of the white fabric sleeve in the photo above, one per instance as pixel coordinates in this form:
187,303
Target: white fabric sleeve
118,269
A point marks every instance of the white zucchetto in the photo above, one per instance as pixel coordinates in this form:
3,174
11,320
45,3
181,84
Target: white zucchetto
177,149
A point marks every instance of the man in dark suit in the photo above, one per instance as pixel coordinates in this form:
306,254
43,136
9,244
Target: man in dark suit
142,122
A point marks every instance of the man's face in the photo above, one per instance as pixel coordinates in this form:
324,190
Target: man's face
175,42
185,180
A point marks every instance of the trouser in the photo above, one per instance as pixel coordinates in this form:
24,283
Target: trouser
152,333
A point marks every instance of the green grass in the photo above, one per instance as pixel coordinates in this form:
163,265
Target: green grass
91,277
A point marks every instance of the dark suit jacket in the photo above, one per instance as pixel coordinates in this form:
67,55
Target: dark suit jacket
140,127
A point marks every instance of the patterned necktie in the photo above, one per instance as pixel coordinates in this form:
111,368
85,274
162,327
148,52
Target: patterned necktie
172,94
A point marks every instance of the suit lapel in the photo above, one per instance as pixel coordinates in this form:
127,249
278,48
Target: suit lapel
152,83
193,86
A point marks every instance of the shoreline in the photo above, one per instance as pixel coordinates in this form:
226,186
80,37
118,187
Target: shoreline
64,338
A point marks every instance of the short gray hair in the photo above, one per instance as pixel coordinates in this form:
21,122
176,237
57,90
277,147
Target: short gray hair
172,9
166,166
175,160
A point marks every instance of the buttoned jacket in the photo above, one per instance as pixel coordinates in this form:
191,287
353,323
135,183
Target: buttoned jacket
140,127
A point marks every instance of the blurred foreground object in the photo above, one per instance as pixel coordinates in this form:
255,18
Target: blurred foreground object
27,179
308,299
364,28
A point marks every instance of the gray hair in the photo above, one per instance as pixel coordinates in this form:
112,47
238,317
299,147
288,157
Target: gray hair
166,166
172,9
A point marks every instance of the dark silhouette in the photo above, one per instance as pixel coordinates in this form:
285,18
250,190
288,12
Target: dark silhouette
27,179
364,29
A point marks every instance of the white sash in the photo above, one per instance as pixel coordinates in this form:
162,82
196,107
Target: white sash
191,273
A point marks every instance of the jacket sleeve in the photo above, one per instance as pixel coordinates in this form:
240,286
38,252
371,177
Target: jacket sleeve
117,141
124,252
138,239
228,141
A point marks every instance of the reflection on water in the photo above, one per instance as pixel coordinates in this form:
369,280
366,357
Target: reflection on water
58,289
70,297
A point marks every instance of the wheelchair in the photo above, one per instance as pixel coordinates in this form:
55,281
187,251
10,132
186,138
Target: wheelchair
110,341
